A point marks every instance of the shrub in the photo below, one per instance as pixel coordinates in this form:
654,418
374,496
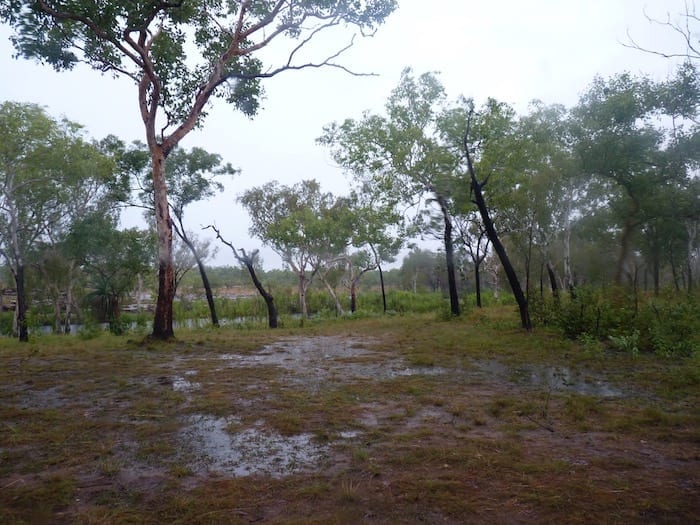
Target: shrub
665,325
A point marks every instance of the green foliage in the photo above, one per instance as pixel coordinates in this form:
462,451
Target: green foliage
592,345
179,42
628,343
6,323
668,326
675,327
320,305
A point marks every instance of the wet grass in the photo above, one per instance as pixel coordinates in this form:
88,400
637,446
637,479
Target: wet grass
403,419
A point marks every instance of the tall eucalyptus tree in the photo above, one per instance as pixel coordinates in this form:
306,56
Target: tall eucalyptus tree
180,55
638,141
47,174
402,155
193,176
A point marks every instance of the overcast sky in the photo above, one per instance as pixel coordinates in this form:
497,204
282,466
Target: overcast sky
512,50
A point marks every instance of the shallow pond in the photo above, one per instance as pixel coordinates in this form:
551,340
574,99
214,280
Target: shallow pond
556,378
218,446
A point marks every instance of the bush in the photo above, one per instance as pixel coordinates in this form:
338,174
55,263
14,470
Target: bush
665,325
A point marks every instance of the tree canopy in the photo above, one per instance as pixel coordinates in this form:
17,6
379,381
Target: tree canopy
49,176
181,55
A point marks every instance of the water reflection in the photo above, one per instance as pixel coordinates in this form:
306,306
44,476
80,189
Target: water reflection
247,452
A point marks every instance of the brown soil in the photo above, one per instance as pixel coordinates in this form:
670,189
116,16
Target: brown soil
336,429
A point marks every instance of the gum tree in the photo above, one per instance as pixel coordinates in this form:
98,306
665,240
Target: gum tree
192,177
180,55
492,162
47,172
637,140
494,118
403,155
301,224
112,259
378,233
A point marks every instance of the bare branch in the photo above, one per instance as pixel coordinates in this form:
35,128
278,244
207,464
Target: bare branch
682,28
244,258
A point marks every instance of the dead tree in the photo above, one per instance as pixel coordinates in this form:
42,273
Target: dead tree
249,262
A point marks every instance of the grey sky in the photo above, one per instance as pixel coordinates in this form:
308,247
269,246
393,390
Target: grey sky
512,50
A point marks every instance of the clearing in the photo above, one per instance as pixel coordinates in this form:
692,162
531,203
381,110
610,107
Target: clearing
391,420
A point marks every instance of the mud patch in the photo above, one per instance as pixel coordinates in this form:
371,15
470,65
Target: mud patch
250,451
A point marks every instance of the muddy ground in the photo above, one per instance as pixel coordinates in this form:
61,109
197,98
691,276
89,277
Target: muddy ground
365,422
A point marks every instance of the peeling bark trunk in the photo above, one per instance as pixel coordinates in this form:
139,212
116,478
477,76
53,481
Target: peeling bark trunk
627,231
69,301
302,296
338,307
621,267
114,315
353,296
163,318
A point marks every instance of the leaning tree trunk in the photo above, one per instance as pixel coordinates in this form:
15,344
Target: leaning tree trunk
249,262
202,273
163,318
381,283
267,296
497,245
553,280
503,257
207,291
21,305
338,307
449,256
477,283
381,277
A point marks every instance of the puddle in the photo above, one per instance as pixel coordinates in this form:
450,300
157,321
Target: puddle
314,361
560,378
250,451
563,378
417,371
180,384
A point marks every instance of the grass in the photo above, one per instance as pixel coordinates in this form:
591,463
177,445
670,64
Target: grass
418,420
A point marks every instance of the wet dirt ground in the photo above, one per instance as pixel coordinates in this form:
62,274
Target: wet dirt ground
345,429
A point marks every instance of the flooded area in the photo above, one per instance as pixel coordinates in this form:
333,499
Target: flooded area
221,444
553,378
269,428
313,360
218,445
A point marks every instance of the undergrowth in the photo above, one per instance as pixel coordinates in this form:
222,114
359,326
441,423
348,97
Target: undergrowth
668,325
